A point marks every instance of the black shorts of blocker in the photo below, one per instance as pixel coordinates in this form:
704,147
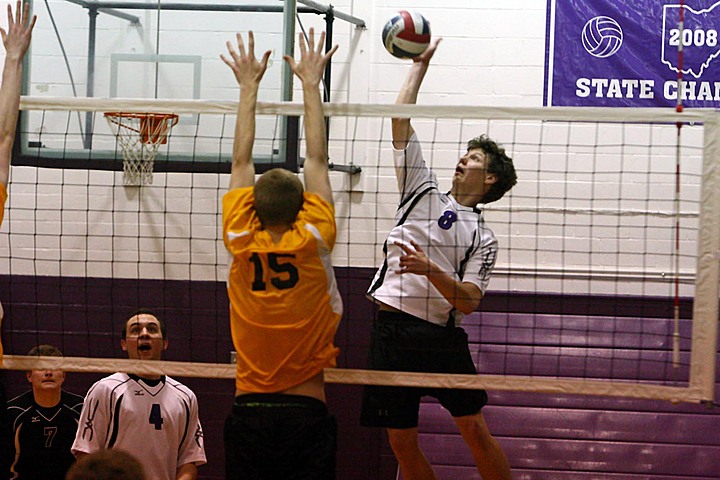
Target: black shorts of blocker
280,437
401,342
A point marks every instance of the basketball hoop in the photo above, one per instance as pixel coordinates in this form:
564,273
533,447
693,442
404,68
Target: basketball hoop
140,135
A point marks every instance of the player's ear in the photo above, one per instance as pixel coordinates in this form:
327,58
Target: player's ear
165,344
123,345
28,375
490,178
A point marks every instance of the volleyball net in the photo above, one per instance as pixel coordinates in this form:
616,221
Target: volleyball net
606,280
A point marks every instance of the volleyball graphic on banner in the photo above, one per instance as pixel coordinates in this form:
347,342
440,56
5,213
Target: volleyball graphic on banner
602,37
406,34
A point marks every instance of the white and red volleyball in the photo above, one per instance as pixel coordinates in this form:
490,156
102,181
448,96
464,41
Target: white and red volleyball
406,34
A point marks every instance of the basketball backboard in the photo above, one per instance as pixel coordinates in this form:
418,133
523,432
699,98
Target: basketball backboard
153,50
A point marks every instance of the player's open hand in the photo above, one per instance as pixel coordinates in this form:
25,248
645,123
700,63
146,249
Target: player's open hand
248,70
20,26
429,51
414,260
311,67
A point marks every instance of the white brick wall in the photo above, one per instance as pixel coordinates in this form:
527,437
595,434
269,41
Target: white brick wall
492,55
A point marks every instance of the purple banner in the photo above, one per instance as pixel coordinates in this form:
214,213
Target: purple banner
624,53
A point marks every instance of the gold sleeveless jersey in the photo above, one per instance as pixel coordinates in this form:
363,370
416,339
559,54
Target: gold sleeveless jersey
284,303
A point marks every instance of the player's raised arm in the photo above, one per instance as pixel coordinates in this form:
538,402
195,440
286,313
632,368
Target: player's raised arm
16,40
401,128
248,72
310,70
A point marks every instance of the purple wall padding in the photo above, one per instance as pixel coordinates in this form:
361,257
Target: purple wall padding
579,437
547,437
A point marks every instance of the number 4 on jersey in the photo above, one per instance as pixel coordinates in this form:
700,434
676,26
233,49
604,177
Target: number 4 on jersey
156,416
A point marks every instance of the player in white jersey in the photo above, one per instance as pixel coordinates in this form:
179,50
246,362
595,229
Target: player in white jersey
452,235
438,260
153,418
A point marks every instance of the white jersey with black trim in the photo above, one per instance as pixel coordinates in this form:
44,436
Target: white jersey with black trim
453,236
157,422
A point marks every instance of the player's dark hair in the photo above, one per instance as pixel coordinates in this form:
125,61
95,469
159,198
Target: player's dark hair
500,165
144,311
45,350
278,197
112,464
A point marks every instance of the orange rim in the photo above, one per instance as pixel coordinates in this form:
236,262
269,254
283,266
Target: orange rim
141,116
153,126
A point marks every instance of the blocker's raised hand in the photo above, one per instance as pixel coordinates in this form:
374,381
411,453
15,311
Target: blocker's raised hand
16,38
311,67
247,68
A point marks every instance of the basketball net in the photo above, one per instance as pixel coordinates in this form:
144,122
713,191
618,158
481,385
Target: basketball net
140,135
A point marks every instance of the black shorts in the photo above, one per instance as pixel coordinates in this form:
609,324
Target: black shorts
275,436
401,342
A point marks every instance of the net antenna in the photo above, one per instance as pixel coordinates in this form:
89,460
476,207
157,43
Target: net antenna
140,136
676,203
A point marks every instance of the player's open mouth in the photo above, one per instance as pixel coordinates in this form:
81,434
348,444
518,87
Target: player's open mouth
459,170
145,347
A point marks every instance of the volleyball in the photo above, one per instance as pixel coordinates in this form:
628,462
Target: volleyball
406,34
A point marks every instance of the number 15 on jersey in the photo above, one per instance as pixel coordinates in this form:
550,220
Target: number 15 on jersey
283,272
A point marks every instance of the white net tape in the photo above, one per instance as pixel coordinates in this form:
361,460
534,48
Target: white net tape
365,377
140,136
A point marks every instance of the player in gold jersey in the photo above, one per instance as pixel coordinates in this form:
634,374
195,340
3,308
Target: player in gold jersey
16,39
284,302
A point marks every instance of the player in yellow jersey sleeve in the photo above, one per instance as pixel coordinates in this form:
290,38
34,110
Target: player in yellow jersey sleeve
16,39
284,302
